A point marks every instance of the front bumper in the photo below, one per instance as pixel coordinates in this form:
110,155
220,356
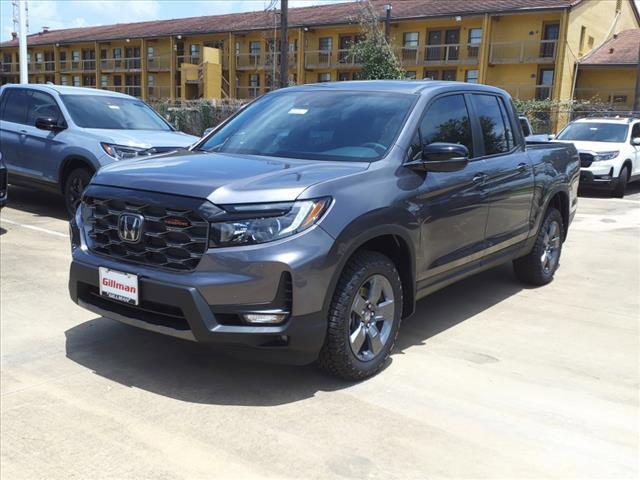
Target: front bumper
205,305
597,179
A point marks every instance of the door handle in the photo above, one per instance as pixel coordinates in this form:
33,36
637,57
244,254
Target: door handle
522,167
479,178
23,132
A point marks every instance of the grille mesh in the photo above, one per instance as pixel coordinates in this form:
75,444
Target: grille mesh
172,238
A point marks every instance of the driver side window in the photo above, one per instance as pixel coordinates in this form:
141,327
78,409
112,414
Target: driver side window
447,121
42,105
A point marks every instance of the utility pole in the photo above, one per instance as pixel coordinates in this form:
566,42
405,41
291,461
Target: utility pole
284,43
636,102
387,21
22,39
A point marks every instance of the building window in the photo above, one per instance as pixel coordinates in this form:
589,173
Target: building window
471,76
150,53
449,75
410,39
117,80
254,48
117,53
39,57
545,83
254,80
75,56
475,36
64,80
410,75
431,75
325,44
324,77
76,80
343,76
583,37
28,58
237,48
150,81
550,34
195,51
104,81
442,45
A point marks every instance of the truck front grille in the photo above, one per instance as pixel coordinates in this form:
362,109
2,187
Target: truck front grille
586,159
170,237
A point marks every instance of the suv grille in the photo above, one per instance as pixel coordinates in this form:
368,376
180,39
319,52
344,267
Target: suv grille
3,182
586,159
172,238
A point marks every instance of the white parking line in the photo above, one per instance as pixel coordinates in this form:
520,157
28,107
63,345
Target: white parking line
37,229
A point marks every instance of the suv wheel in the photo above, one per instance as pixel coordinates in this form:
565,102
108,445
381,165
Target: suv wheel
539,266
74,185
364,317
621,184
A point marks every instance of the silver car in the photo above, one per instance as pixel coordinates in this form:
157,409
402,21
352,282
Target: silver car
56,137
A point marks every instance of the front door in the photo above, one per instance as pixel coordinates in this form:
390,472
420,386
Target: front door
545,83
550,34
509,184
434,45
452,39
452,204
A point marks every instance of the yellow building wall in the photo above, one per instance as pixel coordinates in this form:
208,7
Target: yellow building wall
607,85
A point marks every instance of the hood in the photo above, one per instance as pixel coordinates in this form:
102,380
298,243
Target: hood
143,138
224,178
597,147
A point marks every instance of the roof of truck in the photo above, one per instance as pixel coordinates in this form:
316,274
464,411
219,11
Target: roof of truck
398,86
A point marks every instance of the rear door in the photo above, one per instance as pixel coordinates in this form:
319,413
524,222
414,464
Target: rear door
13,128
509,185
452,205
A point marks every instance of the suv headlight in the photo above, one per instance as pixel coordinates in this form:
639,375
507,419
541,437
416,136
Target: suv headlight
124,152
262,223
605,156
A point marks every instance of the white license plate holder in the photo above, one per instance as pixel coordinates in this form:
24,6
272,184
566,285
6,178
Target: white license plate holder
120,286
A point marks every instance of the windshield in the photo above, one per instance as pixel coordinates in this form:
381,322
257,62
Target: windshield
113,113
317,125
594,132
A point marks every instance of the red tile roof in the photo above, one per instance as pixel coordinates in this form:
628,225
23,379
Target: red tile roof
622,49
340,13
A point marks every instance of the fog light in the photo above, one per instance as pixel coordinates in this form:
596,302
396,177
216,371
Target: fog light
264,317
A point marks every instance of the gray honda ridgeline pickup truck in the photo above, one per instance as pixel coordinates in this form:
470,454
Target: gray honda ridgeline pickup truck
307,225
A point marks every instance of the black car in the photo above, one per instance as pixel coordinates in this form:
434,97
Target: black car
308,224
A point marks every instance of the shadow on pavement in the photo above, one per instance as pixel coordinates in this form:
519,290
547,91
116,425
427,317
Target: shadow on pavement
197,373
37,202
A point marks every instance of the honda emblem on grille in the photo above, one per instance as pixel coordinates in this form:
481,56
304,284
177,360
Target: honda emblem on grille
130,227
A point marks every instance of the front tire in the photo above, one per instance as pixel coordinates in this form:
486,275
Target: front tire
364,317
621,185
540,265
74,185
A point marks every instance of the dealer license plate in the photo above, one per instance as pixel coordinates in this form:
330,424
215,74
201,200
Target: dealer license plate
119,286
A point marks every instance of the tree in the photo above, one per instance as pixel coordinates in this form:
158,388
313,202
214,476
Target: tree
373,50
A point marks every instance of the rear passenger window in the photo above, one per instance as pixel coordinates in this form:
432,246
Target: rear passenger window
15,109
447,120
494,122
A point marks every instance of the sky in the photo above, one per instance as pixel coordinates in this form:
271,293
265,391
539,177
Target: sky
80,13
57,14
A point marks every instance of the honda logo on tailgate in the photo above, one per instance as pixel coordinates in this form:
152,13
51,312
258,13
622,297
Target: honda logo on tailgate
130,227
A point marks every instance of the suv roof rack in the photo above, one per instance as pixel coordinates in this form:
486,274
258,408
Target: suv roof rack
628,115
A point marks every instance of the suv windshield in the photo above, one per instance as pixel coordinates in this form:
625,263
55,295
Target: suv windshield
317,125
594,132
113,113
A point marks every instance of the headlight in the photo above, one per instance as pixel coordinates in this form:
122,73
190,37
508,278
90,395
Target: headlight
123,152
605,156
266,222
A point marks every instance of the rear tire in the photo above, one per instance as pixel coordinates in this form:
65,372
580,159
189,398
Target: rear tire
364,317
540,265
74,185
621,185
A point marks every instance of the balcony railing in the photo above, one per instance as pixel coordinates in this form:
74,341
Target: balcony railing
330,58
408,55
248,92
159,63
9,68
120,64
158,92
195,60
77,65
133,90
528,91
44,66
451,54
622,97
543,51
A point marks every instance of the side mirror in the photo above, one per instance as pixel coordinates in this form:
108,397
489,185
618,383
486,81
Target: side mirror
552,137
635,141
442,157
48,123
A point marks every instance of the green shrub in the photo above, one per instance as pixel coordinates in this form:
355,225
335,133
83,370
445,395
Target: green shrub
195,116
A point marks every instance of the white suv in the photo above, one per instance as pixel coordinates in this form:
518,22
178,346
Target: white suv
609,151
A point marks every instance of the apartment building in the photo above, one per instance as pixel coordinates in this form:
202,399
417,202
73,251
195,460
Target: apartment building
528,47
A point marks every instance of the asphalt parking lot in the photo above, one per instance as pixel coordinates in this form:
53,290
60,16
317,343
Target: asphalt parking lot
488,380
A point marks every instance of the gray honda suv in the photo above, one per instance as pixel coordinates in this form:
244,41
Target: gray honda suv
307,225
55,138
